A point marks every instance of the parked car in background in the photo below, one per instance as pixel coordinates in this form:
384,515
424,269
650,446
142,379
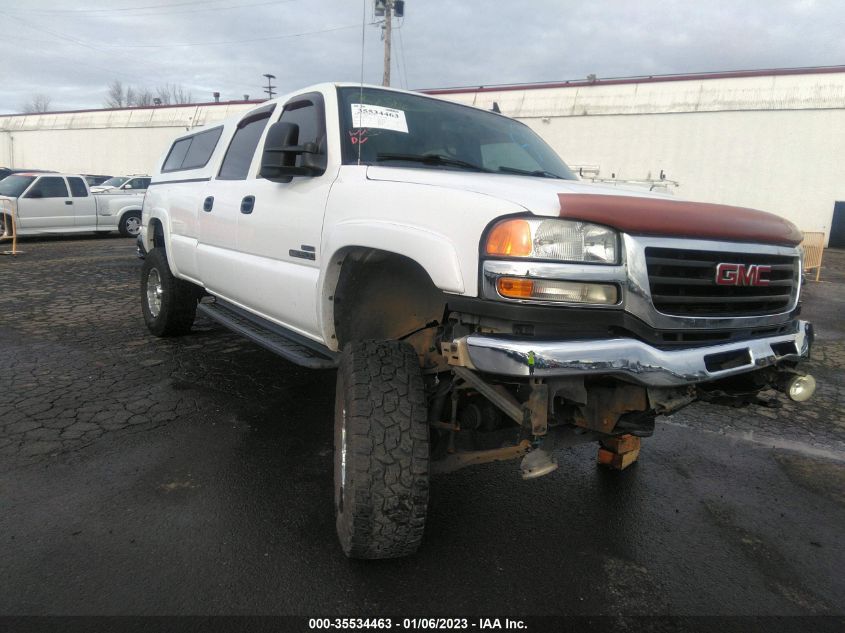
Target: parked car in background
63,203
123,183
8,171
94,180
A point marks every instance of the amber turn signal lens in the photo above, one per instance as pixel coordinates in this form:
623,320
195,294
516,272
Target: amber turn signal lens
511,238
560,291
515,288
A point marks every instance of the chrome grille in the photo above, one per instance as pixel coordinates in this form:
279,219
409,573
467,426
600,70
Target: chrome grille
682,282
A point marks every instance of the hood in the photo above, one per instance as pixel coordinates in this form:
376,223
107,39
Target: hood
636,212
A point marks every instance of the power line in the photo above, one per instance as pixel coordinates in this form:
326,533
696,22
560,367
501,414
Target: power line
124,9
402,51
181,11
249,39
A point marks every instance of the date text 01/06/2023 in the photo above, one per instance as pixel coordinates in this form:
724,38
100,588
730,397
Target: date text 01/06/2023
436,624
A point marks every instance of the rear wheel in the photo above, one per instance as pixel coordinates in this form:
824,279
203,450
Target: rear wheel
169,304
381,450
130,224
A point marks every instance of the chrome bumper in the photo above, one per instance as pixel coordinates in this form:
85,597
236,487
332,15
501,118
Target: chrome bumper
633,359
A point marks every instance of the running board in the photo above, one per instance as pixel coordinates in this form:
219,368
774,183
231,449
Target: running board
275,338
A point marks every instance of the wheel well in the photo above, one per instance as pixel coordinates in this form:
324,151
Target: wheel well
155,234
385,296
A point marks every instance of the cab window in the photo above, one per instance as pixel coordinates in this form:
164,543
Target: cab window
308,112
48,187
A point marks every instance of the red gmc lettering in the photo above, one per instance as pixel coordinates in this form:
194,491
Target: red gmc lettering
742,275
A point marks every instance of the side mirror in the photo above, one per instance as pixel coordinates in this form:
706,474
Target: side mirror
278,159
35,193
127,186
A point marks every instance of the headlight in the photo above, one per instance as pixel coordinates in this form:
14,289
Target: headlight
559,240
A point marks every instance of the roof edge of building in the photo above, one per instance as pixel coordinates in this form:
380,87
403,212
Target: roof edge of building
132,108
575,83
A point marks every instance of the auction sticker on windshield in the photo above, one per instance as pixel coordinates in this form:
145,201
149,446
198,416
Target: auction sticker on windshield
365,115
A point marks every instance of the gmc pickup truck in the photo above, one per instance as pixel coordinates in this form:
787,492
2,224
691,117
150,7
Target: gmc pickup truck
42,203
478,301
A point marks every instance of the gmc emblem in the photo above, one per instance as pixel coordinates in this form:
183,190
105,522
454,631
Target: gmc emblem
742,275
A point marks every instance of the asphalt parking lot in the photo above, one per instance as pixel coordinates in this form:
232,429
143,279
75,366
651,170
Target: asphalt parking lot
193,476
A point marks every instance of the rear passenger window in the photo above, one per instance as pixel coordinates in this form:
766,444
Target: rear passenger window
48,187
77,188
242,148
192,152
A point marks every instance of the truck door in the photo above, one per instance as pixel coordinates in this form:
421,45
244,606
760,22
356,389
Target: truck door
84,204
279,229
46,205
220,263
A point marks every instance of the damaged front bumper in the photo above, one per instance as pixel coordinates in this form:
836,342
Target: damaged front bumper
629,358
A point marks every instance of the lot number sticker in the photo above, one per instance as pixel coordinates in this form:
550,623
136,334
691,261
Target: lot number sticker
365,115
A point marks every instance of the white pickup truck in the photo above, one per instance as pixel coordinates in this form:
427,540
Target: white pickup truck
62,203
479,302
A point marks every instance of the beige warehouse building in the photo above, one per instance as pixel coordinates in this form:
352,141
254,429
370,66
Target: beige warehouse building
772,139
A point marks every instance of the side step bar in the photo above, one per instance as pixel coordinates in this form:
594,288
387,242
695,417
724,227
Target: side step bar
275,338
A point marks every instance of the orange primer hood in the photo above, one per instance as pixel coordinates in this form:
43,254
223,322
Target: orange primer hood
678,218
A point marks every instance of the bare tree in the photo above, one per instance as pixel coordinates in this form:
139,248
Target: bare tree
37,103
172,94
115,97
143,97
120,96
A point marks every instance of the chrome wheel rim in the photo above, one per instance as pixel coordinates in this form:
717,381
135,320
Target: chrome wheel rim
133,226
154,292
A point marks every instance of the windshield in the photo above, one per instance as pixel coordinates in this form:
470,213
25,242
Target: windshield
14,186
416,131
114,182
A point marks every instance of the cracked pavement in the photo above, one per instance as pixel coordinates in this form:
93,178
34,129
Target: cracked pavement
193,476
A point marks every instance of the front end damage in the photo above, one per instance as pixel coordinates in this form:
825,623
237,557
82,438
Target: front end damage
525,379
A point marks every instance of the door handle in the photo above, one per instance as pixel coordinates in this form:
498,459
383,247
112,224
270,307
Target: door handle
208,203
247,205
68,201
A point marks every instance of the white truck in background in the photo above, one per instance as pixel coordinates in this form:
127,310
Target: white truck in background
42,203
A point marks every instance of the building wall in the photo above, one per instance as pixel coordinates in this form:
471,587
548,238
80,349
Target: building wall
771,141
127,141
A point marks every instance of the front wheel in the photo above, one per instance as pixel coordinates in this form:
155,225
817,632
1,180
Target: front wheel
130,224
381,451
169,304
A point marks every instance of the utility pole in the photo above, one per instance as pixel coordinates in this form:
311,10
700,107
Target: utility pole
389,9
388,24
270,86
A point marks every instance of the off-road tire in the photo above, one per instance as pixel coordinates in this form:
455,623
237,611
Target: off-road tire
130,219
381,493
178,299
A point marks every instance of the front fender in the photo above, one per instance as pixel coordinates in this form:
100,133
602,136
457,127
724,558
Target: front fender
434,251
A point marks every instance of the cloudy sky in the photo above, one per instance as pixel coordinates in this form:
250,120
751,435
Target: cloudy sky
72,49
